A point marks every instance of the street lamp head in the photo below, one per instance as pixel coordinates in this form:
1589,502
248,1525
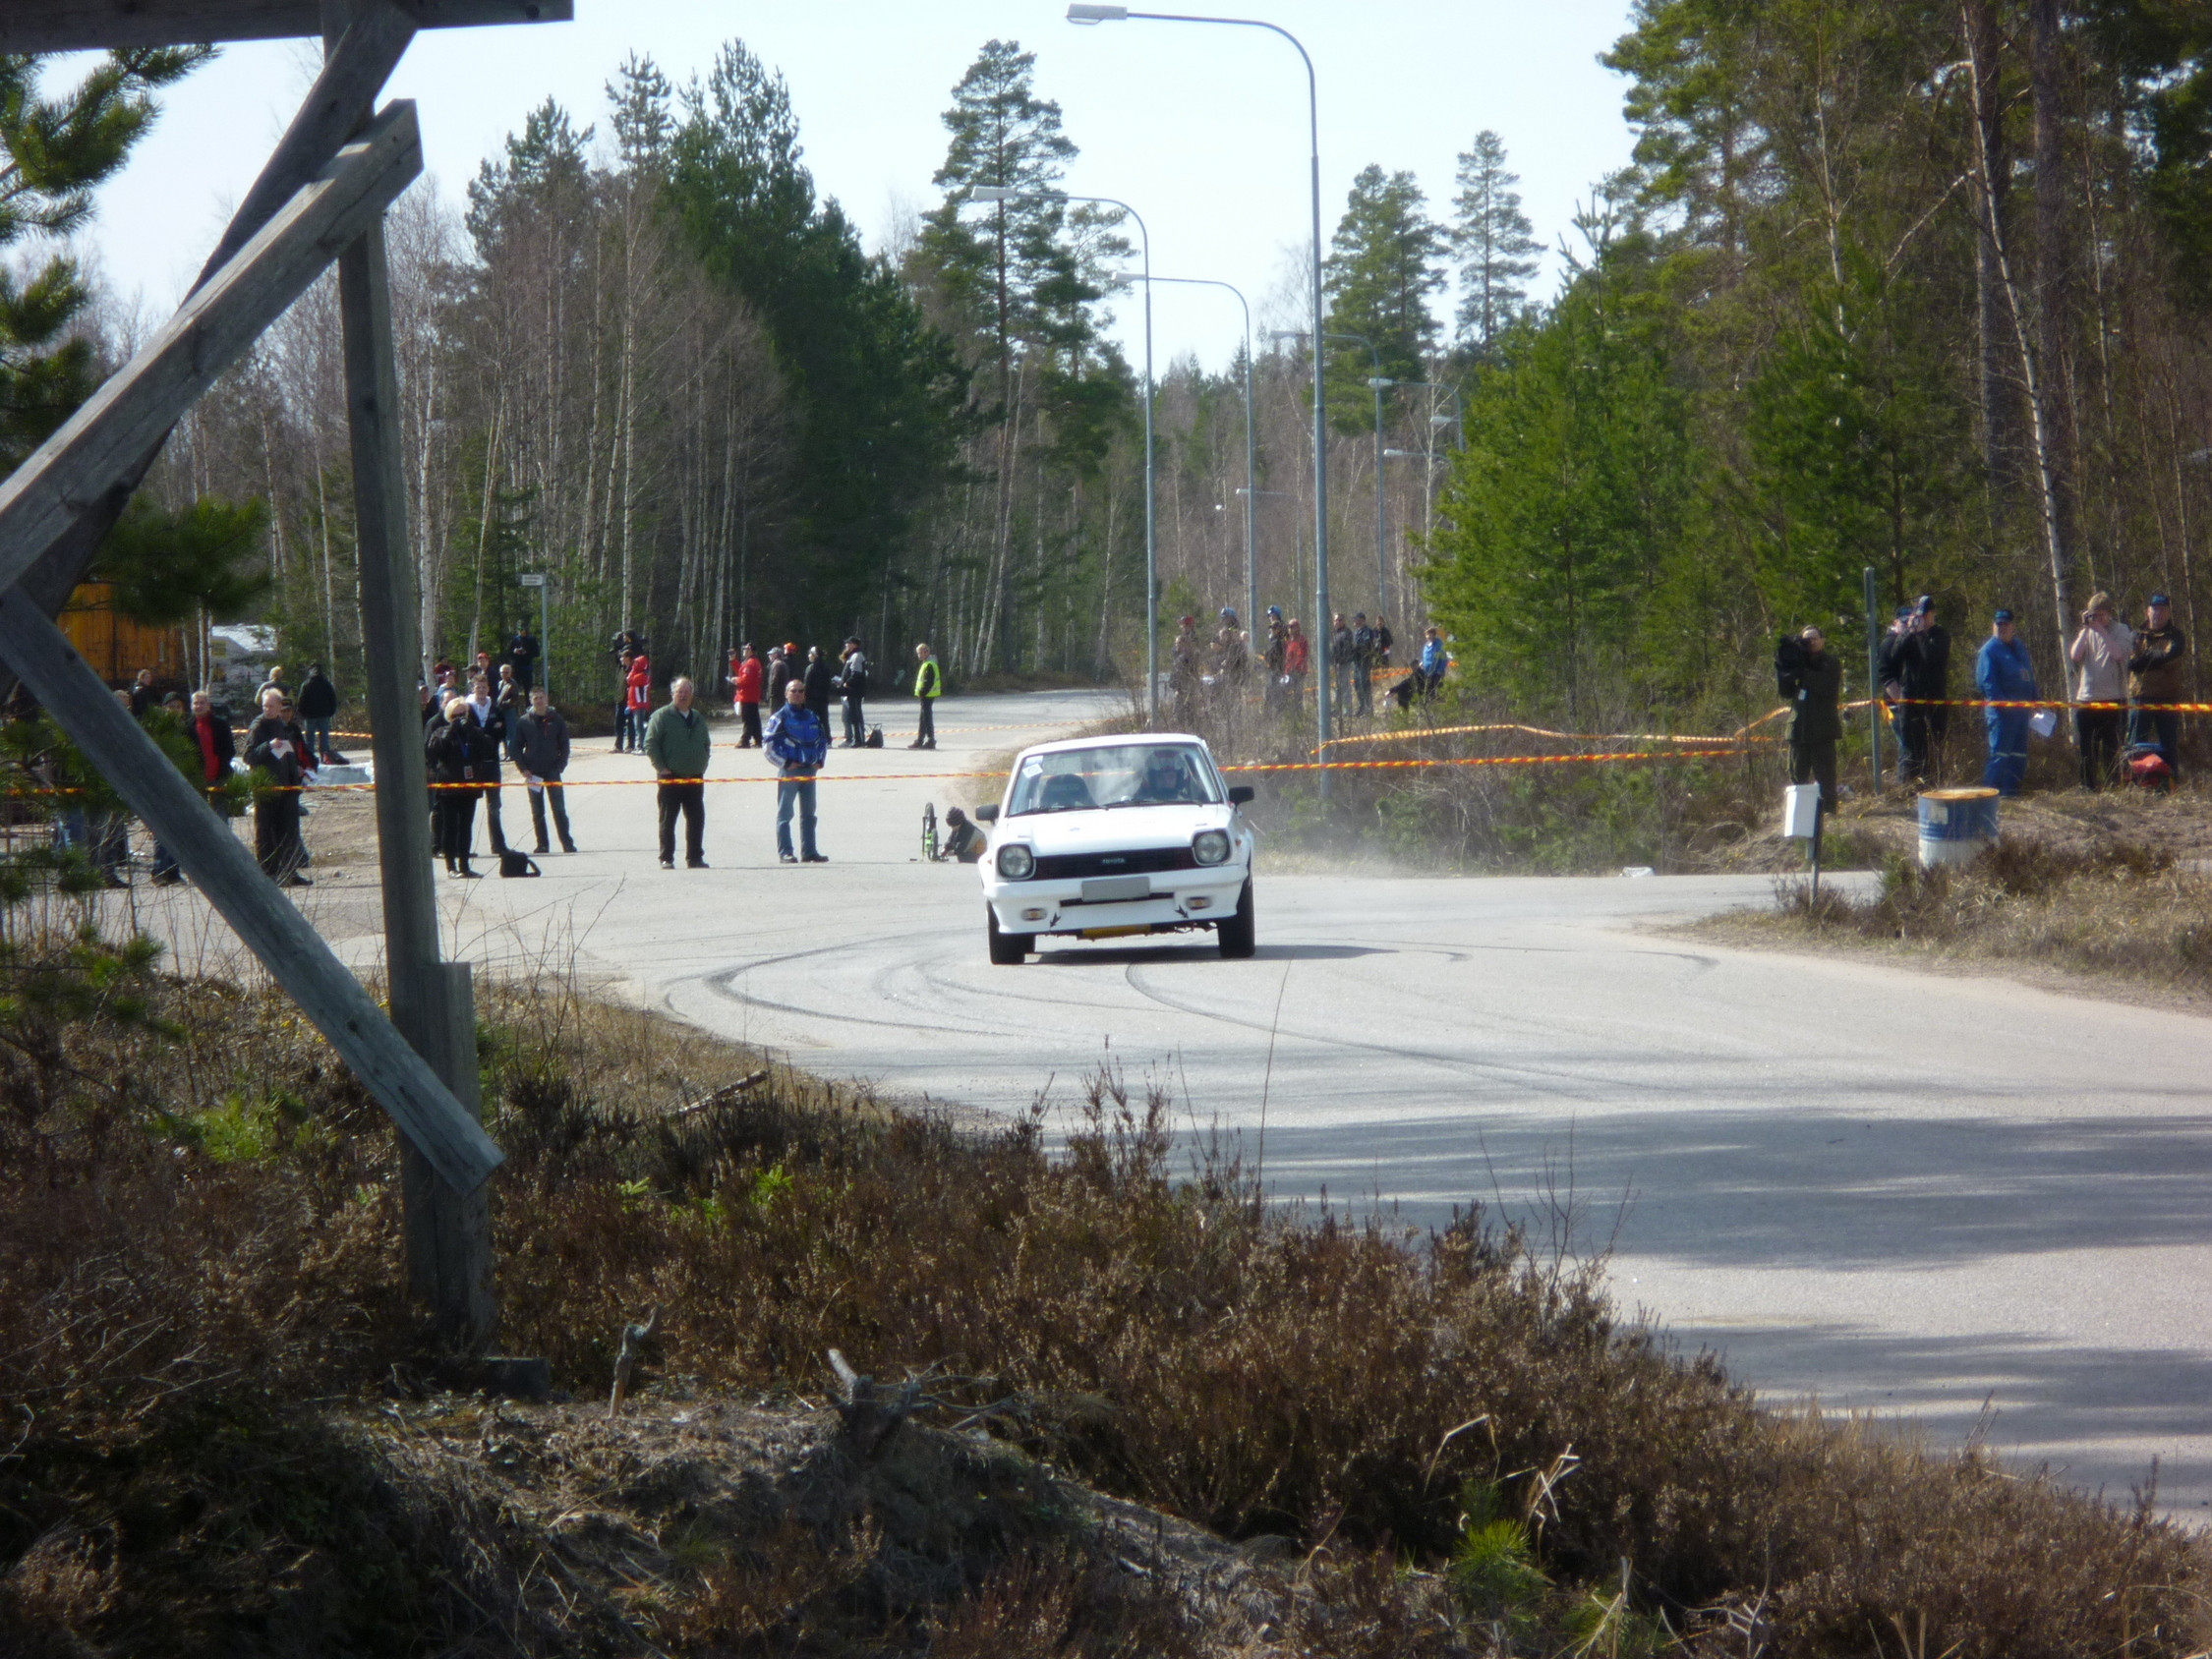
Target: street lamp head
1405,455
1439,420
1280,334
1380,382
1087,15
995,193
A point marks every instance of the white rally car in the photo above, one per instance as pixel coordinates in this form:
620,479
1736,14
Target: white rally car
1102,838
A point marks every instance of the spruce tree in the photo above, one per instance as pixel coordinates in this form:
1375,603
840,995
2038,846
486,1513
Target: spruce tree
1490,235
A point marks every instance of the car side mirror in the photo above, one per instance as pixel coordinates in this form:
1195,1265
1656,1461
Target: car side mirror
987,815
1241,794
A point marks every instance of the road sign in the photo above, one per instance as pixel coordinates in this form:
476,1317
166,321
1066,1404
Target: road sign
531,581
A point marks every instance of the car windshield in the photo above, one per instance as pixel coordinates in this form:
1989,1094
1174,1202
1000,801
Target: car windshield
1128,774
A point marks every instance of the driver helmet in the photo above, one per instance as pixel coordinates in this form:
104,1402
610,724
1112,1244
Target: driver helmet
1228,615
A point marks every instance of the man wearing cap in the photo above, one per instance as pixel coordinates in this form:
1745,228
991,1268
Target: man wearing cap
1924,676
2154,676
2003,674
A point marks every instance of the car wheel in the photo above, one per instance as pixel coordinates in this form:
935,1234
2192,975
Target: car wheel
1007,949
1238,935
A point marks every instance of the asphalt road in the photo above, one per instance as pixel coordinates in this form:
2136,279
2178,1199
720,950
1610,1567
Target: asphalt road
1897,1191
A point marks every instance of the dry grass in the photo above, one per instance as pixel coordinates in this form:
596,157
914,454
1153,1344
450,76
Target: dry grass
2120,912
198,1242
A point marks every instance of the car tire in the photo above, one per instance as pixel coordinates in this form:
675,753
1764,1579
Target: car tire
1007,949
1238,934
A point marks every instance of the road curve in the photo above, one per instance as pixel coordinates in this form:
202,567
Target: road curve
1895,1190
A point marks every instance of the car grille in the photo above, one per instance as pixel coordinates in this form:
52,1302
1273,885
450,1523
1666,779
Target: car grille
1062,866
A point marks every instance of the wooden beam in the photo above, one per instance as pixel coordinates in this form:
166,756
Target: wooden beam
80,26
449,1233
272,928
333,110
96,450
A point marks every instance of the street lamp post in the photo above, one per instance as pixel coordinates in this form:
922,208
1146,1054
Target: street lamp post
1378,384
1092,13
1251,563
1002,193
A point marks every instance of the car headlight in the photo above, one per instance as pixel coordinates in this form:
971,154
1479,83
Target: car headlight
1016,863
1210,846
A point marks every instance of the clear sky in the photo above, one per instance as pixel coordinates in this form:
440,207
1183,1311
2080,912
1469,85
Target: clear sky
1203,129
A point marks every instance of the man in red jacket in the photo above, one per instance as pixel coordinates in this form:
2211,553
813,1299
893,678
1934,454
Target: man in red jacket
637,703
748,676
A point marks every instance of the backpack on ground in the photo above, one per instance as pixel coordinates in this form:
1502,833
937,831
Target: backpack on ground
515,862
2147,768
875,738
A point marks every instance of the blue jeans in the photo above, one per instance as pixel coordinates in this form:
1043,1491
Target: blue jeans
318,735
793,792
2160,726
2007,730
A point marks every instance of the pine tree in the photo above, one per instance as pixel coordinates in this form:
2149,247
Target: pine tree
52,153
1490,235
1385,266
1018,283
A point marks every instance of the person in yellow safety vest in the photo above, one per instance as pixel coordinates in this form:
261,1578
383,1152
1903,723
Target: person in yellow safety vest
929,685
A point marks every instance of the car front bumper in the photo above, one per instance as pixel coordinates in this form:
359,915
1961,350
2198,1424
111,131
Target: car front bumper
1181,898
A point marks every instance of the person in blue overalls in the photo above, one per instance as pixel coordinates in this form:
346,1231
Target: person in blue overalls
2003,674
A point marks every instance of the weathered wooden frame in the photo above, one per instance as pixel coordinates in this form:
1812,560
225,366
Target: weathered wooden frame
319,200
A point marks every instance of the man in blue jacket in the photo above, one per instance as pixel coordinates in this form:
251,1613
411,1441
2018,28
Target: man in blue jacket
2003,674
795,740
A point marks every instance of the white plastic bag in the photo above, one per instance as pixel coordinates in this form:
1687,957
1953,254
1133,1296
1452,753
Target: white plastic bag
2044,721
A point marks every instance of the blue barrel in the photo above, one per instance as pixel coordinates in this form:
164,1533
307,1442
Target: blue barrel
1957,824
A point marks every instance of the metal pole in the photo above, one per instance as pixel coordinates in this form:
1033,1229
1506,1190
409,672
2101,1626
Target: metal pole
545,634
1321,630
1873,674
1116,14
1381,533
1252,556
1151,562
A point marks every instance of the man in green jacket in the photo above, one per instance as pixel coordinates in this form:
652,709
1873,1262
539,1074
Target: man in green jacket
928,685
677,744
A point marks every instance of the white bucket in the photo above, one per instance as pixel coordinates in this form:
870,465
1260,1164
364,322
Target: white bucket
1957,826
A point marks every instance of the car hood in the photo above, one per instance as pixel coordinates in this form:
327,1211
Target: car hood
1122,828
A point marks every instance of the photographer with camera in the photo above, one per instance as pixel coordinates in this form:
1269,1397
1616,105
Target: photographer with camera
1811,676
2100,651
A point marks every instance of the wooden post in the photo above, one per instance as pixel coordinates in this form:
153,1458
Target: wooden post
269,923
448,1231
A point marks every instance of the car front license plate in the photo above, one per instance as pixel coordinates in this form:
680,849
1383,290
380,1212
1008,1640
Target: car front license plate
1117,889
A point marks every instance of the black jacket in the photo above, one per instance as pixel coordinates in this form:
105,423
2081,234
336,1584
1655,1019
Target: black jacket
318,698
820,681
284,770
1814,718
461,752
494,730
540,746
225,743
1924,662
